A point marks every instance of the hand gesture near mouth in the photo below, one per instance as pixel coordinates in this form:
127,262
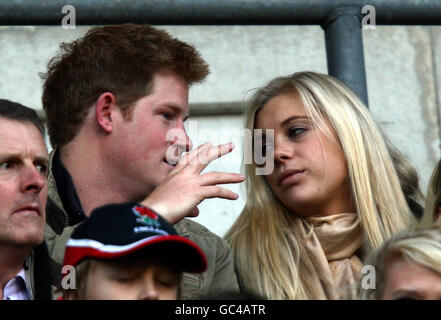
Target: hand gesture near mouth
185,187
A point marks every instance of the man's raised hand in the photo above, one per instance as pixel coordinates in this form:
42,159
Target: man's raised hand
185,187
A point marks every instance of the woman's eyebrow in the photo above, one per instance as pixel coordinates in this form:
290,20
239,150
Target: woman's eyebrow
288,120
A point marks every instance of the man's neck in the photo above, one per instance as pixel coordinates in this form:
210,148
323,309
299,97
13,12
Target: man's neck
11,262
94,183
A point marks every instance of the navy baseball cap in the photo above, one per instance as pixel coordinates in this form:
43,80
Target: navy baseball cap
117,230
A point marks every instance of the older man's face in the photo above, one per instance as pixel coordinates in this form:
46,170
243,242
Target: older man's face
23,188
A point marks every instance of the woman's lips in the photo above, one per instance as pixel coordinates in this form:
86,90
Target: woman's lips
290,176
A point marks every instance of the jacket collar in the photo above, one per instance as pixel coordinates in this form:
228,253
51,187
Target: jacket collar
66,190
38,276
63,206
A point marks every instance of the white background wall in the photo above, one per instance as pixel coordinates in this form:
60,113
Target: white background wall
402,64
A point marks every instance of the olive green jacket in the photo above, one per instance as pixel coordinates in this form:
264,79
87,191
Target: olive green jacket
219,276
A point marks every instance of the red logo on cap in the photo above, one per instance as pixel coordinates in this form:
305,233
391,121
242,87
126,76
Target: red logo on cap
146,216
143,211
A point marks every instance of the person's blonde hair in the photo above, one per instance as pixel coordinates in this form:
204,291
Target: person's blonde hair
433,197
269,254
409,180
421,246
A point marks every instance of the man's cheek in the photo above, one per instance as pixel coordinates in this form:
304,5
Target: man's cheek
43,196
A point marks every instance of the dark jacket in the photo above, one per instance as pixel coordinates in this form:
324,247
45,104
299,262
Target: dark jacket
38,274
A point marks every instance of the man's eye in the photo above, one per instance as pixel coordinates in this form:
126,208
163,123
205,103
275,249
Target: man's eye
167,116
43,169
5,166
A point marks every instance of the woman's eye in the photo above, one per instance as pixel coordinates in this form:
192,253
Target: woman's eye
295,131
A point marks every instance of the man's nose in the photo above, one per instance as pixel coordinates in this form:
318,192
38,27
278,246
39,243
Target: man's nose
188,143
31,179
180,139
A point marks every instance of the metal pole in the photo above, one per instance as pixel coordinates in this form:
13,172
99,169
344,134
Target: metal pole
213,12
344,49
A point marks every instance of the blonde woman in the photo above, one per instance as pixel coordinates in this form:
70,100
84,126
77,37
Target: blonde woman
432,210
407,266
333,192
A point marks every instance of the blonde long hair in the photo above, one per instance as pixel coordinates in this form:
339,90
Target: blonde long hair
421,246
433,198
269,254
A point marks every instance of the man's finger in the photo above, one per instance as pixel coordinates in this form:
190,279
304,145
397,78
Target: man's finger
212,178
219,192
205,156
194,212
188,157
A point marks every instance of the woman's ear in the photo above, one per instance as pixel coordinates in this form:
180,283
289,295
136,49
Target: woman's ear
104,108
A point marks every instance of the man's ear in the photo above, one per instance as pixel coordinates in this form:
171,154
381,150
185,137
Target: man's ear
104,111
